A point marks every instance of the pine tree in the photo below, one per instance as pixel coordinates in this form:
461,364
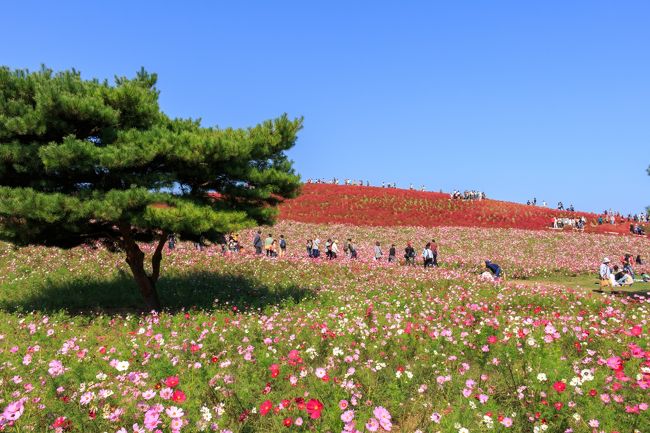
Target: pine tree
83,161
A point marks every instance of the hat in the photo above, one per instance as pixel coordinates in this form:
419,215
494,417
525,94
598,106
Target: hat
605,260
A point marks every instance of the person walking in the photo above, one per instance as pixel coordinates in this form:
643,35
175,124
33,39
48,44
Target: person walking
392,254
172,241
352,248
409,254
328,249
334,249
427,255
257,242
315,251
434,252
378,252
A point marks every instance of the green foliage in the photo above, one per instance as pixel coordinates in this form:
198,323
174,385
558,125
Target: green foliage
78,156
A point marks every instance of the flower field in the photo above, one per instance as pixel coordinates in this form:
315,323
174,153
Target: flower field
252,344
373,206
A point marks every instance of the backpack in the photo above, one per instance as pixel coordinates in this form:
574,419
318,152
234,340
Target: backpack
283,243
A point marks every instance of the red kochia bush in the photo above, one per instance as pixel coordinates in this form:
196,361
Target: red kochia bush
372,206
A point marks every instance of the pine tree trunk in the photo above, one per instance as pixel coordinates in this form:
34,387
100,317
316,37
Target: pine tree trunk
146,284
135,260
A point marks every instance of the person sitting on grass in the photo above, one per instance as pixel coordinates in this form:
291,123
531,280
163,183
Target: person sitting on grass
494,268
626,279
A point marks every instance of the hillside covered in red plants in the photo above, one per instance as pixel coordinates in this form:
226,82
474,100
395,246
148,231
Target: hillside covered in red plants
374,206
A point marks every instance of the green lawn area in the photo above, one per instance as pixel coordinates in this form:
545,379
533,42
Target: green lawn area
584,281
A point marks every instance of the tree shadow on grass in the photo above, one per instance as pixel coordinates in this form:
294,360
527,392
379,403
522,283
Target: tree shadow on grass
119,295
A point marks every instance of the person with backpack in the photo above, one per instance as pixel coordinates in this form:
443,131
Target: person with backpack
434,251
378,252
283,246
309,248
409,254
257,242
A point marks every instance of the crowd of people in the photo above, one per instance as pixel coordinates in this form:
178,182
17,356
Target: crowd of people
331,247
468,195
575,223
620,276
610,275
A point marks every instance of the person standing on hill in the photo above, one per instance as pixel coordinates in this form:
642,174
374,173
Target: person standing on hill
283,246
267,245
378,252
309,247
427,255
434,252
353,249
315,251
391,254
257,242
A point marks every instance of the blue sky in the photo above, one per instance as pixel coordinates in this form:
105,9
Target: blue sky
546,99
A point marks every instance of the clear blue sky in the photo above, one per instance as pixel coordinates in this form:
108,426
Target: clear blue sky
549,99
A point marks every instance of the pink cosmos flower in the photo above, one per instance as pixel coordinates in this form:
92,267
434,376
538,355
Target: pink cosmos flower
372,425
615,363
174,412
347,416
166,393
55,368
172,381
